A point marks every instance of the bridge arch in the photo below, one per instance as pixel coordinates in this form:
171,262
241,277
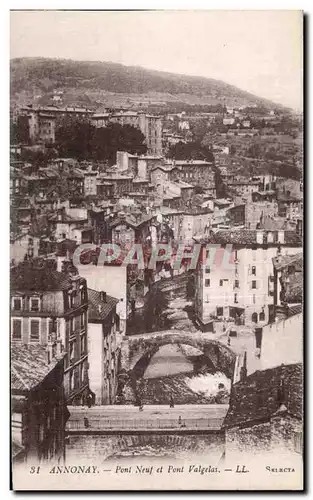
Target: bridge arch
143,347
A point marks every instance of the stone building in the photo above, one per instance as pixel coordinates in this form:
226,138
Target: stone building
103,346
39,412
47,305
238,283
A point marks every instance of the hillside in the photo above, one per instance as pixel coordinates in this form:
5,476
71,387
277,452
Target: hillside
101,83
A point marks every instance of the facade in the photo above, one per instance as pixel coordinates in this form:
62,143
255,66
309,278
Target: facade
71,224
39,412
288,279
103,346
41,126
196,172
46,305
122,184
90,183
24,245
239,283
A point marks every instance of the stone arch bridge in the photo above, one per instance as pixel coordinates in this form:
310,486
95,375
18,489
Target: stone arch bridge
137,350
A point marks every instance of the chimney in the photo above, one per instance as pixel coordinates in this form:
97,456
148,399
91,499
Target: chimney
243,370
49,352
259,237
103,296
59,347
281,236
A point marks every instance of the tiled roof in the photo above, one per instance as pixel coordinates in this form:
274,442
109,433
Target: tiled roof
295,288
65,218
261,394
16,449
287,260
29,366
25,277
293,310
246,237
97,309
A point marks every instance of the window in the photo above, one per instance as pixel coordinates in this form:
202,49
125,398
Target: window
82,372
73,295
82,344
207,270
17,304
72,351
221,282
253,271
236,283
83,320
207,282
262,316
34,304
17,329
236,298
71,380
52,327
254,318
219,311
253,284
34,330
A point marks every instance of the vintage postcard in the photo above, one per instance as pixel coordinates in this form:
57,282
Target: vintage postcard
156,238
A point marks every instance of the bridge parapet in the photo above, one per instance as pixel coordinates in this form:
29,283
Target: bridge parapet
125,419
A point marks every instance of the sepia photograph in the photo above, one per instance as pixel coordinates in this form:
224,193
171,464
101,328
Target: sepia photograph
156,250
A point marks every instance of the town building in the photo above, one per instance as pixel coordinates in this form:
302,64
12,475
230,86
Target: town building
39,412
239,283
103,346
41,125
48,305
195,172
138,166
288,279
71,223
122,184
24,245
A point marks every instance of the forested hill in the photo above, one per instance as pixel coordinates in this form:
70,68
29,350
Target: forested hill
40,76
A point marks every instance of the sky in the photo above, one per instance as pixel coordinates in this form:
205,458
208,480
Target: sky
258,51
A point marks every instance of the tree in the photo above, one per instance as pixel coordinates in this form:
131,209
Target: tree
115,137
74,139
190,151
81,140
19,131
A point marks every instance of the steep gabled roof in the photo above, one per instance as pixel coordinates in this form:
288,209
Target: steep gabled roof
29,366
261,394
98,310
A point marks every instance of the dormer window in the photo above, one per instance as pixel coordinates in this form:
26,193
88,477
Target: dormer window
34,304
17,303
